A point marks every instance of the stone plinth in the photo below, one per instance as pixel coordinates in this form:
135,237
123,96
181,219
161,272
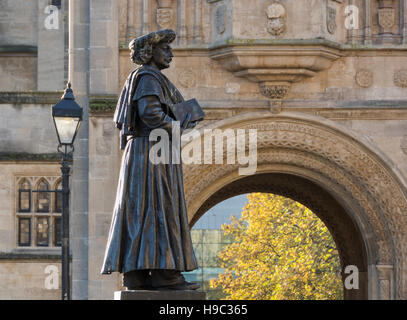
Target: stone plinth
159,295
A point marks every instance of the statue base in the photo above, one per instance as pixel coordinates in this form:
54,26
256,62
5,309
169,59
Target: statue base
159,295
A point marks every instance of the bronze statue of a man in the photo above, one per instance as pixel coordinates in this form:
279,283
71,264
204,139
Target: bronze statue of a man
149,239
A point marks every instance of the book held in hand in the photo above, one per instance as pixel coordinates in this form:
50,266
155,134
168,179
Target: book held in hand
192,106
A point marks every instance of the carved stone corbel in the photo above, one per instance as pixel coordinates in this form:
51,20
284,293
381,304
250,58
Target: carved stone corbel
274,66
276,91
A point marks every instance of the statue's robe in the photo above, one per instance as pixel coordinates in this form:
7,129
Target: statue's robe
149,228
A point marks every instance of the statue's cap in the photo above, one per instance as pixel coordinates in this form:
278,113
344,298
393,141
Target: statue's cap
164,35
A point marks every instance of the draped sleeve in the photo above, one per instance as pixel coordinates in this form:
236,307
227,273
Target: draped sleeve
149,98
149,86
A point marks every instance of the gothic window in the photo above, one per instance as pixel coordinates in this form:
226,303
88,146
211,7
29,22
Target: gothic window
42,197
24,196
42,229
38,212
24,232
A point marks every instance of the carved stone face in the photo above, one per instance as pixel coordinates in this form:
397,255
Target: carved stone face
162,55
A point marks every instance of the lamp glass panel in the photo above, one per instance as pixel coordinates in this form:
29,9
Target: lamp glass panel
66,128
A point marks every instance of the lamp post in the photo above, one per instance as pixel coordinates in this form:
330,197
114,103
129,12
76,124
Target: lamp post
67,116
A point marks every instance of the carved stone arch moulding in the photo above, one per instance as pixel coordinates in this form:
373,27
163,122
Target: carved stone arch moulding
286,181
367,182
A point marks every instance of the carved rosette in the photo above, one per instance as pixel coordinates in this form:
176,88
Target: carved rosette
186,78
400,78
274,91
276,15
364,78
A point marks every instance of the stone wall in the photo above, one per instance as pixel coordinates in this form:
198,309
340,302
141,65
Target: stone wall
18,22
18,71
9,170
18,41
104,47
22,269
103,175
26,279
27,128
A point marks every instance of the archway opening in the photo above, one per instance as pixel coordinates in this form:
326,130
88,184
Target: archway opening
322,203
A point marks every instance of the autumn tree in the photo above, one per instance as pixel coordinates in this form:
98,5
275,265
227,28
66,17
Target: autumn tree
281,250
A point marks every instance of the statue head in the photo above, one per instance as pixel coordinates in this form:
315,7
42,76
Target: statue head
153,48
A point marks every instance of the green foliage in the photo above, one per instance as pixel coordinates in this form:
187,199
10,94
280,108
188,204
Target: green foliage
281,251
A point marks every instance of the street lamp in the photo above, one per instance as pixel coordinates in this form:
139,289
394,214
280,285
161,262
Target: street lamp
67,116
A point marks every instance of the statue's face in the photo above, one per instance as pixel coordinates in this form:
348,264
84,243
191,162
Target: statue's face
162,55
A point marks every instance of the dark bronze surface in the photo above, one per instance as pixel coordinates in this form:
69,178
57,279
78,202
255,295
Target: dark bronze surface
149,228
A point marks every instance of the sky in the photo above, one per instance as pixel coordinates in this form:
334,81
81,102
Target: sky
219,214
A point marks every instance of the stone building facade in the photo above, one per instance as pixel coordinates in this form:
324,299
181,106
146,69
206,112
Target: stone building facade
323,82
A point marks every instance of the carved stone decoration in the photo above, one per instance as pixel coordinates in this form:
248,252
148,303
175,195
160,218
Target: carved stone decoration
276,15
164,14
400,78
220,16
232,87
364,78
275,106
386,18
164,17
273,91
186,78
331,155
331,19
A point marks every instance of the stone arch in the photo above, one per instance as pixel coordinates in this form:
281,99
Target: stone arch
312,153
